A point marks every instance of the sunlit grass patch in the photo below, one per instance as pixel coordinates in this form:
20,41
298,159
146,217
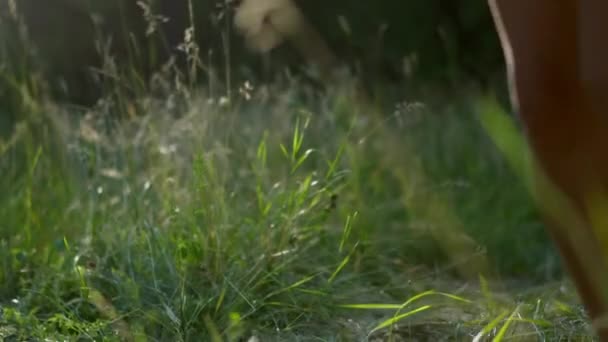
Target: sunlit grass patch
277,219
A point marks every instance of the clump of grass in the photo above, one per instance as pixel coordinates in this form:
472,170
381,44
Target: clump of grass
275,219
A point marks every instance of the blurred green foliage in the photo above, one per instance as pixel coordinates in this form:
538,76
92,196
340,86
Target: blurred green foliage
443,41
446,39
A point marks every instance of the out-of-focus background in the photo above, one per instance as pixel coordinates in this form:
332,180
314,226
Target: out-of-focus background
160,179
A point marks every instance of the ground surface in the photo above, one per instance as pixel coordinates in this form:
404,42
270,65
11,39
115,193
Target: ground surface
277,218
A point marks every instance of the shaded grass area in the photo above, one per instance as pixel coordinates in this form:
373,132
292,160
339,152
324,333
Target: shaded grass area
275,218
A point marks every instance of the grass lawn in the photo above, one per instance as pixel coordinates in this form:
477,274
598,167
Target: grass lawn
282,217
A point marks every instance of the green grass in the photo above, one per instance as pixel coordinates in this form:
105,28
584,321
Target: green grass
277,219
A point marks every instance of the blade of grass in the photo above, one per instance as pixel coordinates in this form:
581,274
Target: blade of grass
342,264
393,320
505,327
493,324
292,286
